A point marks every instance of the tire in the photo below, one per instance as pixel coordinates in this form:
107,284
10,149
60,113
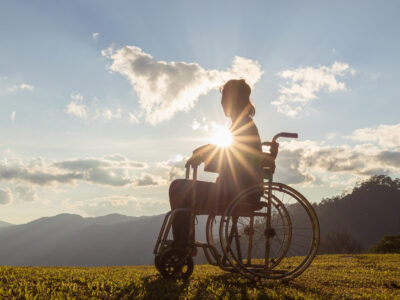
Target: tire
282,250
175,264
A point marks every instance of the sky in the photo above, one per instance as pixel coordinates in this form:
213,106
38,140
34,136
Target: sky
103,101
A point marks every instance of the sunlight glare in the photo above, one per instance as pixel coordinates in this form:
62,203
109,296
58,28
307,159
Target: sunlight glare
221,136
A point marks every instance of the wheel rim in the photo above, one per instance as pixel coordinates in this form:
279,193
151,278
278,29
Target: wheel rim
292,239
212,235
175,263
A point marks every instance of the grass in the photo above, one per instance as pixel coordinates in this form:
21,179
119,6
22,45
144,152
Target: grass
370,276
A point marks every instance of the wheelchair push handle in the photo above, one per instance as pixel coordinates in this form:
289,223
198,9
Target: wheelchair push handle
282,134
286,135
274,145
289,135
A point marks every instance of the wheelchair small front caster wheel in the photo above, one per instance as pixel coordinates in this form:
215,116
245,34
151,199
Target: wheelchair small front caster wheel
175,264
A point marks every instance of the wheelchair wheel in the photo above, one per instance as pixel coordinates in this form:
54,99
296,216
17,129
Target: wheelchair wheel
281,221
279,243
175,264
212,235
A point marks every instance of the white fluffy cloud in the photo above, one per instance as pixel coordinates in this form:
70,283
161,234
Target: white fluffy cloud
108,114
5,196
383,135
95,35
12,117
309,161
165,88
76,106
302,85
94,112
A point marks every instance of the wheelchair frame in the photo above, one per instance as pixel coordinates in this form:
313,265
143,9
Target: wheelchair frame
178,263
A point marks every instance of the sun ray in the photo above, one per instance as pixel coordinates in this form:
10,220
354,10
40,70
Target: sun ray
221,136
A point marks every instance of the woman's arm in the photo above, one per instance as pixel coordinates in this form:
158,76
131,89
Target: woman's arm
201,154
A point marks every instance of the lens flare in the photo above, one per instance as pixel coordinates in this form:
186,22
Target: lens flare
221,136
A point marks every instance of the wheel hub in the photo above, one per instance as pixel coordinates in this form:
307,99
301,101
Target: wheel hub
248,231
270,233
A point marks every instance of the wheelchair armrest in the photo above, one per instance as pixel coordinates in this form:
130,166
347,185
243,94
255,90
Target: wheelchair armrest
266,160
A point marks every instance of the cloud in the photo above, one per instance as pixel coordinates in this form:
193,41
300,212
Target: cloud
12,88
308,161
95,36
165,88
133,119
112,170
123,204
147,179
108,114
383,135
76,107
26,192
12,117
203,125
390,158
34,173
104,205
302,85
5,196
93,111
195,125
25,86
22,86
172,169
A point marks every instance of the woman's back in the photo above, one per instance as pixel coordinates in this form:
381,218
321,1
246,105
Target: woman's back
240,168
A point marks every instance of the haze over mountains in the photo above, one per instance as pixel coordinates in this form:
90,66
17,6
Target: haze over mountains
68,239
368,213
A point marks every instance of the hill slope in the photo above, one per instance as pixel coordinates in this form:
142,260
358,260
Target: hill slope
368,213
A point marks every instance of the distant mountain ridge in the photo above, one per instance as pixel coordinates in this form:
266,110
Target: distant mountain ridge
367,214
101,220
5,224
69,239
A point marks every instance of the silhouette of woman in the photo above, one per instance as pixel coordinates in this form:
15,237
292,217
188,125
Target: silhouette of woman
237,164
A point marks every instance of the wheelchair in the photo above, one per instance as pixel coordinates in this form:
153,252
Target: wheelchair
278,239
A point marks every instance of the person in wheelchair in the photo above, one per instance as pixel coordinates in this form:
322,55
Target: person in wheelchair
238,165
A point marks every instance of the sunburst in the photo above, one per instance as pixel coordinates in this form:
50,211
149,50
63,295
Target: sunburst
221,136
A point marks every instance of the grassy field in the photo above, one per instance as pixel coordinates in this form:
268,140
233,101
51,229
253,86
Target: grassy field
329,277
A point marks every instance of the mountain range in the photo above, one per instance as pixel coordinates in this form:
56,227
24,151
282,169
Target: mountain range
367,214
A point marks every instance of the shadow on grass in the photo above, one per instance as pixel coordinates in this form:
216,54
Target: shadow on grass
154,287
229,286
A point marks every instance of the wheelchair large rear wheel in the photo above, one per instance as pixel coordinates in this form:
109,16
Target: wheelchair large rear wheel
212,235
281,221
277,240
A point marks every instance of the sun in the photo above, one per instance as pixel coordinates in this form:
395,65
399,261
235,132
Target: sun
221,136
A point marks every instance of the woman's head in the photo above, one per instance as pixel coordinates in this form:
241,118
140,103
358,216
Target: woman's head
236,99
